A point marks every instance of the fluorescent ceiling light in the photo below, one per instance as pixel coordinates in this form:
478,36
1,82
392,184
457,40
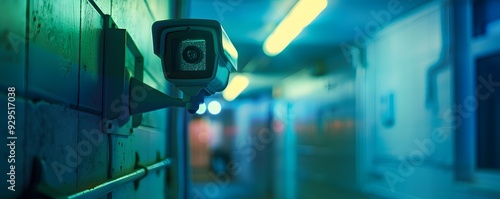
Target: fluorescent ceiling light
235,87
299,17
214,107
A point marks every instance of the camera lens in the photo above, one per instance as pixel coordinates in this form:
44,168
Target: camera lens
192,54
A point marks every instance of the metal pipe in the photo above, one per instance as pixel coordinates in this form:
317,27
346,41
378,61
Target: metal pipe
111,185
432,72
180,9
178,138
465,142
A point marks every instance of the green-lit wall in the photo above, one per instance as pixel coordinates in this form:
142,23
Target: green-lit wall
52,53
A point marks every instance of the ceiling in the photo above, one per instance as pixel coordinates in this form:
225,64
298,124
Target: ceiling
249,22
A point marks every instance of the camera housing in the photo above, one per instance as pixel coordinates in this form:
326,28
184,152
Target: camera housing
197,55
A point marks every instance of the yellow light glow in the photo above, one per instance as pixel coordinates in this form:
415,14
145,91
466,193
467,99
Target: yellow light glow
299,17
235,87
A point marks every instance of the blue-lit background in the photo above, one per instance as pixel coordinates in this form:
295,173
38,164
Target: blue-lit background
362,104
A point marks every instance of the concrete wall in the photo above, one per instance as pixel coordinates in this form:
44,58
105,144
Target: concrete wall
51,52
414,156
418,144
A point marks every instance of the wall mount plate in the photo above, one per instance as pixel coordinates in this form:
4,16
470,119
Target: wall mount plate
122,60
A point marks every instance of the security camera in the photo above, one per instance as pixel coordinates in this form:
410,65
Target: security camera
197,56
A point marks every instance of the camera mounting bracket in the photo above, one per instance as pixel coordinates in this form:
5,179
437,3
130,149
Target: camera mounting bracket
125,95
144,98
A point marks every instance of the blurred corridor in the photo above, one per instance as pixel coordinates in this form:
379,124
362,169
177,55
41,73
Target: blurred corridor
394,103
346,99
